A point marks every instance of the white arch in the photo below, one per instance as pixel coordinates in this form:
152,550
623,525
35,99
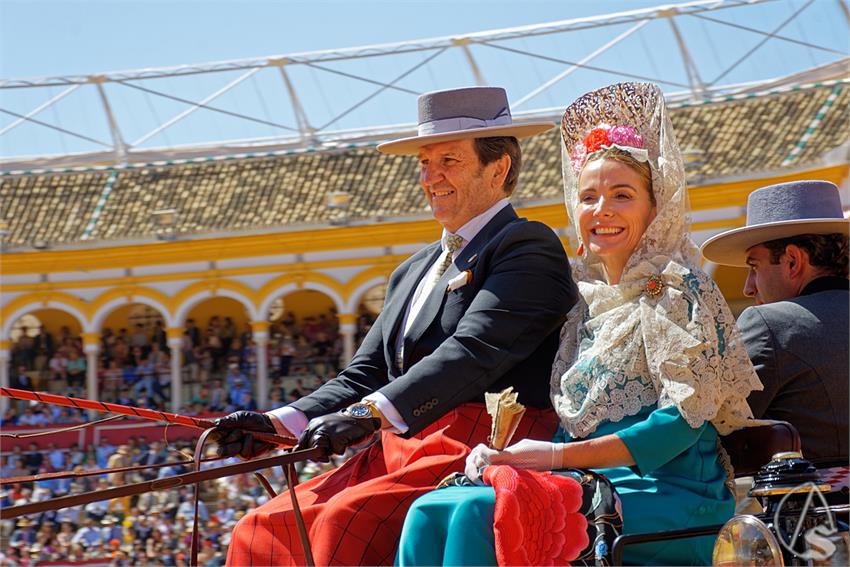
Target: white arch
109,306
188,304
291,287
35,305
360,291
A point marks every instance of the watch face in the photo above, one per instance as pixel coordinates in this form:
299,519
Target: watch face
359,410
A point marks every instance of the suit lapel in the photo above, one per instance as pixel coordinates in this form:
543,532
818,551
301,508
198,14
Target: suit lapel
398,307
464,261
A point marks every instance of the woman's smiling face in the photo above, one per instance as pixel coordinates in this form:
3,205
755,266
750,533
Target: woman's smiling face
615,207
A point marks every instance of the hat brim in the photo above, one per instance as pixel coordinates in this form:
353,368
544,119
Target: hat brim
410,146
730,248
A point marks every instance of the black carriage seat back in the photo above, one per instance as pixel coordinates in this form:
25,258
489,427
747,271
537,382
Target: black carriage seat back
751,448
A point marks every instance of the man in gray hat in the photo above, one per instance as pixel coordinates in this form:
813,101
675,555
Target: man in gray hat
480,310
795,246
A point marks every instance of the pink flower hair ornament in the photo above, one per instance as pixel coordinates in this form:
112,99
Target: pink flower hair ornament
604,137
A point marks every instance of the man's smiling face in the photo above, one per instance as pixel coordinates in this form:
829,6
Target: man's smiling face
458,187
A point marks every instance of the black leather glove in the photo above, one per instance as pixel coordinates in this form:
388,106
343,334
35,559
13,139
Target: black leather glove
336,432
233,434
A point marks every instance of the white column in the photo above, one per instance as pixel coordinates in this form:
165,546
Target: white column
175,343
91,346
347,328
260,333
262,370
4,374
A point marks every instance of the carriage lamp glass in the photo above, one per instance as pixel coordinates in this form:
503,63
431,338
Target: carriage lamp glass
745,540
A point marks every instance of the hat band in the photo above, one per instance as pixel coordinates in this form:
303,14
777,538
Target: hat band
461,123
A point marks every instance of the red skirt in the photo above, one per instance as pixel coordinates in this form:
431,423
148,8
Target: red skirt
354,514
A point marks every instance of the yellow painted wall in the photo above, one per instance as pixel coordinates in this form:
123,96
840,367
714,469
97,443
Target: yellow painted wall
54,319
120,318
307,302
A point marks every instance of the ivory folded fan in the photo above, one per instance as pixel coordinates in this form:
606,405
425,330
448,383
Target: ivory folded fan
506,413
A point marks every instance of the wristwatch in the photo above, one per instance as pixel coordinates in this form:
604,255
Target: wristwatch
364,410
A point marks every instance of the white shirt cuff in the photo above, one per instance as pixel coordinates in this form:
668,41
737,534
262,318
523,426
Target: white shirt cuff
389,411
288,421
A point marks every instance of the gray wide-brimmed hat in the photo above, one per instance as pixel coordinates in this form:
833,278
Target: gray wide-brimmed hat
472,112
780,211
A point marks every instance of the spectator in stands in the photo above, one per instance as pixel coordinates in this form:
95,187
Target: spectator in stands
113,379
76,370
98,510
111,529
146,379
139,338
103,451
33,458
10,417
237,393
233,374
227,332
218,397
24,533
287,352
247,402
22,379
214,346
247,333
88,535
190,357
57,366
193,332
159,337
276,399
234,352
44,340
120,459
55,457
32,417
163,377
186,509
9,468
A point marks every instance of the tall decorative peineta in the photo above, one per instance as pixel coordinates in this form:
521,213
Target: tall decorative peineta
631,117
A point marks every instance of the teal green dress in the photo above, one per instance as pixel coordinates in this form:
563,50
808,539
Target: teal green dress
677,482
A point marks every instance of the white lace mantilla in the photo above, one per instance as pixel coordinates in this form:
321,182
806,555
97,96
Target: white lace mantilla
631,345
622,349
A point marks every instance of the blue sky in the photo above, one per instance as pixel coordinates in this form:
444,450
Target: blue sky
75,37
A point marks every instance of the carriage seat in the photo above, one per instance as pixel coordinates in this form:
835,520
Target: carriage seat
751,448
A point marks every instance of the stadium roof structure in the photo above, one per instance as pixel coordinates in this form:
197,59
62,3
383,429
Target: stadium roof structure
738,124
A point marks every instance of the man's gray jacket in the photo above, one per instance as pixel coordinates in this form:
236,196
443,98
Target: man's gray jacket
799,348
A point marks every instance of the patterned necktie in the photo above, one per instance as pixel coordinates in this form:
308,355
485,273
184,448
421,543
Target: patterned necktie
453,243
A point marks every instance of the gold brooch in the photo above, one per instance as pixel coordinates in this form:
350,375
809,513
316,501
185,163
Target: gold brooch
654,286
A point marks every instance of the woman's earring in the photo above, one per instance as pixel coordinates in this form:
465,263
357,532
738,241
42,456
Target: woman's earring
580,249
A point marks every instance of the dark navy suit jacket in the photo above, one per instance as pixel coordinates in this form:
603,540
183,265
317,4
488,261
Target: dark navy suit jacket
499,330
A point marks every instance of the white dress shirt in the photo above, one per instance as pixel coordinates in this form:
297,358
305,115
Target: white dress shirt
294,421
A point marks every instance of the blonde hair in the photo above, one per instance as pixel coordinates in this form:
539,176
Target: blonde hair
642,168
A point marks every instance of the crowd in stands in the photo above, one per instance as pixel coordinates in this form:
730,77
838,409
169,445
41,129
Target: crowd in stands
219,368
151,528
219,364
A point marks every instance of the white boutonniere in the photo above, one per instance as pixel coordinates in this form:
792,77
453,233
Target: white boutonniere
459,280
